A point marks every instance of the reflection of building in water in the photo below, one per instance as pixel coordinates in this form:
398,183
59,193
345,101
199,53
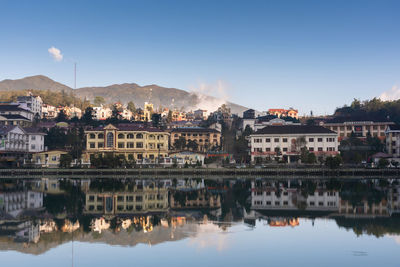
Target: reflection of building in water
46,185
13,203
20,231
140,198
363,209
48,226
144,223
394,199
270,197
194,199
69,226
282,222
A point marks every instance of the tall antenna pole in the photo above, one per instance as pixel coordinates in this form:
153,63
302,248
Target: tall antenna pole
75,75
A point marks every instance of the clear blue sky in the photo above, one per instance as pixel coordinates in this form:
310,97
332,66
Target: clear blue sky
312,55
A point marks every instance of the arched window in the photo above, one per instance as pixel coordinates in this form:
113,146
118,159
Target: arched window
130,136
92,136
121,136
100,136
110,140
139,136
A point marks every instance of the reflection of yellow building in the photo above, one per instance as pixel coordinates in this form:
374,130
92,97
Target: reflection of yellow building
285,222
131,140
182,199
49,186
141,199
364,209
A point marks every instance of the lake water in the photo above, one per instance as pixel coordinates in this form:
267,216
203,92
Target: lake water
196,222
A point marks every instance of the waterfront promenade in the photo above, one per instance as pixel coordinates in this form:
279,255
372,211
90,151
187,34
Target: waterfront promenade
162,173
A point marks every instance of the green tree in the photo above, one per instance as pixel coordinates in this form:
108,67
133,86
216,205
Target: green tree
383,163
61,116
131,107
180,143
99,100
88,116
65,161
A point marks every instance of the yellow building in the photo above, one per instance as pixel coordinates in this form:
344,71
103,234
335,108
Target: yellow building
49,158
135,142
205,138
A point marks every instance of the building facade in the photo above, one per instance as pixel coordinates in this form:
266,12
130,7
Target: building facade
392,134
32,103
135,142
287,141
360,129
205,138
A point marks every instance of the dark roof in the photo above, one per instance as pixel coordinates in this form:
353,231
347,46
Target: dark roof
33,130
395,127
130,127
4,108
14,117
294,129
194,130
6,128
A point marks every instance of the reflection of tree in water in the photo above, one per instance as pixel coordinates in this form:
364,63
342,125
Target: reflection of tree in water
378,227
356,193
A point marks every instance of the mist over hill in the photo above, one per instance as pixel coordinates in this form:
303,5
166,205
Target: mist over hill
159,96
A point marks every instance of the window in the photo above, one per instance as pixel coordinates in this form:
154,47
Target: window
120,198
320,149
92,145
121,145
92,136
100,136
276,140
100,145
311,149
121,136
139,145
130,136
319,139
257,149
268,149
33,137
129,198
310,139
312,203
267,140
33,146
139,136
139,199
130,145
110,140
284,140
91,198
284,149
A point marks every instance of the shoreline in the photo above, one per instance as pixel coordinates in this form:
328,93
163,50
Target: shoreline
209,173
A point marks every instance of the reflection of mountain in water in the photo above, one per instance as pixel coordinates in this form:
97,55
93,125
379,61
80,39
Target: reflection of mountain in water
37,215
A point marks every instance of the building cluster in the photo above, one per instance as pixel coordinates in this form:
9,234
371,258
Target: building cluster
171,136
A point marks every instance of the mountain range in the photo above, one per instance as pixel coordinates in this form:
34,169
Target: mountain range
158,95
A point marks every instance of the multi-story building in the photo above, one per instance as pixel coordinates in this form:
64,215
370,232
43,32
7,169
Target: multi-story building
134,141
101,113
35,140
200,114
344,127
392,134
287,141
284,112
268,120
49,111
12,114
205,138
14,143
32,103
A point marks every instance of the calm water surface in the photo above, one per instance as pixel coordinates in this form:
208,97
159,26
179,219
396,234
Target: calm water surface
132,222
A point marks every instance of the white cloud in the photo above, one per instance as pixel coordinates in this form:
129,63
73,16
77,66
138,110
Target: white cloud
219,90
392,94
55,53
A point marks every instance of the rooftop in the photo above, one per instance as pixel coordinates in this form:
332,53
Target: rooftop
194,129
5,108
